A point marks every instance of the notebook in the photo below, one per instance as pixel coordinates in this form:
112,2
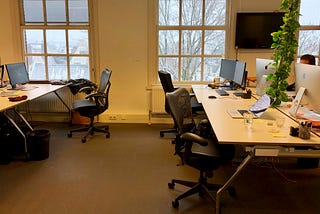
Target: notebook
257,109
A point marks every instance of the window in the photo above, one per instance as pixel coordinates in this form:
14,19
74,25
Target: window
56,38
309,33
191,38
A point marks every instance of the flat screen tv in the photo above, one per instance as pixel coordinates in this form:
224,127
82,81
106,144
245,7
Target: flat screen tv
253,29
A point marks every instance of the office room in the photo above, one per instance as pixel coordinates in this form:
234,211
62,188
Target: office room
129,167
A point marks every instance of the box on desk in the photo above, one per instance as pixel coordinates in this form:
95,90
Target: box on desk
77,119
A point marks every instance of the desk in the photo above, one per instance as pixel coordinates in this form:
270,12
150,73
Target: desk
40,90
258,141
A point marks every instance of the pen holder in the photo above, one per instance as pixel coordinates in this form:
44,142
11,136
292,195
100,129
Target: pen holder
304,131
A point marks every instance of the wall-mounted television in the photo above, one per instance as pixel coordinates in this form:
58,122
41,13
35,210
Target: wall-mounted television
253,29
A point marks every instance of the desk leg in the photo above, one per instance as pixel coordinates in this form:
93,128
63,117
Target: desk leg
64,103
241,167
19,130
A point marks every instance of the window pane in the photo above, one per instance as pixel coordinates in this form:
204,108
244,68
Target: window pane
214,42
191,42
79,67
56,41
57,68
78,11
33,11
211,68
190,69
56,11
36,67
192,12
34,41
78,42
168,42
309,42
309,10
169,64
168,12
215,12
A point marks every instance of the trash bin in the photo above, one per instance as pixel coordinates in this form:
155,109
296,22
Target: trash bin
38,144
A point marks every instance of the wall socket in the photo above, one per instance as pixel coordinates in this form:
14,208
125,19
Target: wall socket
113,117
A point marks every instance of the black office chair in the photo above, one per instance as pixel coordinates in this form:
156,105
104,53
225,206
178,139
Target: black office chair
197,146
95,103
167,85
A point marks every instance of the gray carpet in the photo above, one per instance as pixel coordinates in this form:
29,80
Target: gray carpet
129,172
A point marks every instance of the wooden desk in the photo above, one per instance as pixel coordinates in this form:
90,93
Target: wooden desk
258,141
40,90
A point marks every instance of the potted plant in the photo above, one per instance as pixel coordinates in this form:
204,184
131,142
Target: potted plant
284,49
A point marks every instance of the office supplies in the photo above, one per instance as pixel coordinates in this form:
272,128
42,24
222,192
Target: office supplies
258,108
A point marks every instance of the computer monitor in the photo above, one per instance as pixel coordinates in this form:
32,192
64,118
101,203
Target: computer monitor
263,68
308,76
17,73
227,69
240,75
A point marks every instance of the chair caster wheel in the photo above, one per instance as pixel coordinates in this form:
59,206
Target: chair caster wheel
108,135
69,134
171,185
83,140
175,204
161,135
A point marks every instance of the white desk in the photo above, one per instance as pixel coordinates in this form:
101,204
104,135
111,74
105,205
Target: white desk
40,90
258,141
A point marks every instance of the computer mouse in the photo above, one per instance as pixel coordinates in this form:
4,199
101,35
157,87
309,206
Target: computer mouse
212,97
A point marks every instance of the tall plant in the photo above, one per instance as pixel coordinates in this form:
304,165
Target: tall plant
284,49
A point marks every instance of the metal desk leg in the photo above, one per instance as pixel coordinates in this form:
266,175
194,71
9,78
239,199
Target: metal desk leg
64,103
19,130
241,167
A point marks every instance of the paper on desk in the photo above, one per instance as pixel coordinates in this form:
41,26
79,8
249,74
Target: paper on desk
305,113
9,93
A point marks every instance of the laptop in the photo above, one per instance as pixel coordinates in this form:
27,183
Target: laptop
257,109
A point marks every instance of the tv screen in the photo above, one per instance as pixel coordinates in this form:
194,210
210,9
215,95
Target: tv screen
253,30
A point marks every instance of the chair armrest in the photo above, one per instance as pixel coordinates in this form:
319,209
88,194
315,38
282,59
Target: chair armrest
94,95
192,94
86,89
188,136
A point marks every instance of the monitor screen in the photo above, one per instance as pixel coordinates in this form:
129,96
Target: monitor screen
263,68
308,76
227,69
253,29
240,74
17,74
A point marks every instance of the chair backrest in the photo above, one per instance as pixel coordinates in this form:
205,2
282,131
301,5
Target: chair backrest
103,88
166,81
181,110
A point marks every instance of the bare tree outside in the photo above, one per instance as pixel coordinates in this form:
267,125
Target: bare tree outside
191,38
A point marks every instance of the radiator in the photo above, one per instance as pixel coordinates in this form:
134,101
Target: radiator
51,103
157,101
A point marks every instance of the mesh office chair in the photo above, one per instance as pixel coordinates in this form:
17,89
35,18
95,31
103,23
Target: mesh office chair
203,154
167,85
95,103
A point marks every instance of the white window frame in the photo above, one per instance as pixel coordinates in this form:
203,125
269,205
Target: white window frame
180,28
64,26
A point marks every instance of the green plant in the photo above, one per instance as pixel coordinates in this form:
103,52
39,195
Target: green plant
284,49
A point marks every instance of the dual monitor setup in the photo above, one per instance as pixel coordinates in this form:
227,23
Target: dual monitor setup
234,71
306,76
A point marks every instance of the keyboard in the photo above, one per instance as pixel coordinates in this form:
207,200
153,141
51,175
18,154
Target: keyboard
222,92
238,94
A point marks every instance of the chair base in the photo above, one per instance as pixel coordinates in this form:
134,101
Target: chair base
90,131
201,187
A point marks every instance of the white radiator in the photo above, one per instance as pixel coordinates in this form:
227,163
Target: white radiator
51,103
157,101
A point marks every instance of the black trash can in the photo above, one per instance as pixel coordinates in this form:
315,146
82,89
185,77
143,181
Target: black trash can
38,144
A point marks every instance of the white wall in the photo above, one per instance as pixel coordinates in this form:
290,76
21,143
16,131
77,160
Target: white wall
121,44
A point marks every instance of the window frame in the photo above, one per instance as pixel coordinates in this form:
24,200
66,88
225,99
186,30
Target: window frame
66,26
226,28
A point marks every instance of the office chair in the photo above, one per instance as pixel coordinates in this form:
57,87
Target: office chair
95,103
167,85
197,147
